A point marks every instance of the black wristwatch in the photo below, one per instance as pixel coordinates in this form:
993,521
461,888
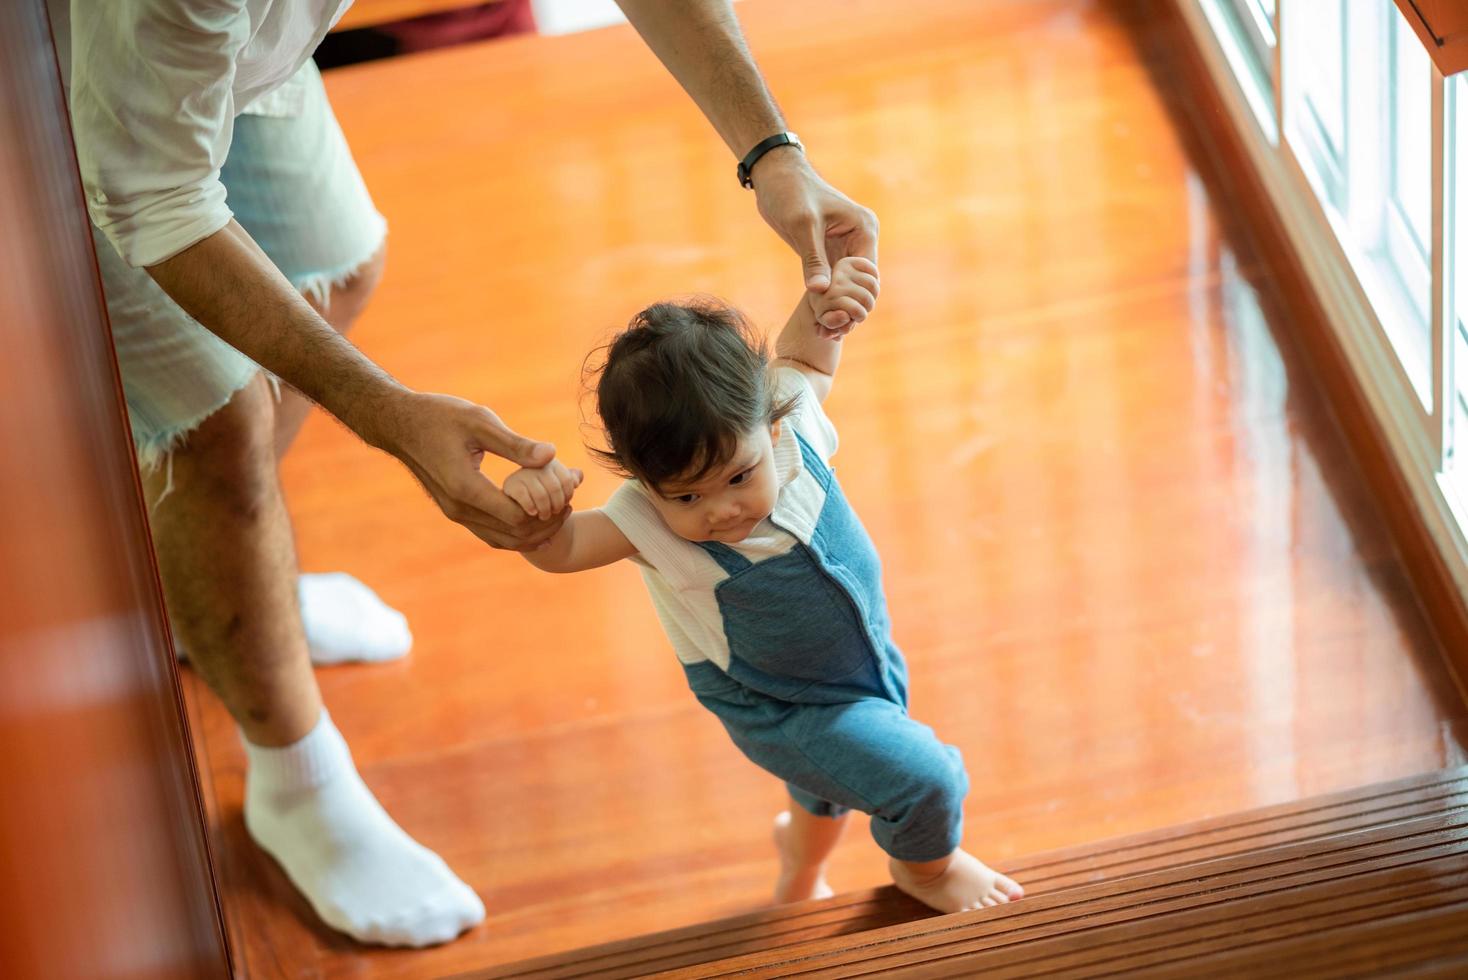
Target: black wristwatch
760,149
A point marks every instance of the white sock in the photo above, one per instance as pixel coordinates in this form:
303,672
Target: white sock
345,622
308,808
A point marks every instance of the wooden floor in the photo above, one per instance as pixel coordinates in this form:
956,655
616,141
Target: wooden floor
1135,573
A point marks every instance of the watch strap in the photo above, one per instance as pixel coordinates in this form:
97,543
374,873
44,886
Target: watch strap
746,166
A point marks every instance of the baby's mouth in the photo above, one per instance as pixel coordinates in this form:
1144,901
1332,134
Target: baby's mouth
748,524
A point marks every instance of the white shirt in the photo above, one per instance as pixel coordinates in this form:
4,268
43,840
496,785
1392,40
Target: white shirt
155,86
681,577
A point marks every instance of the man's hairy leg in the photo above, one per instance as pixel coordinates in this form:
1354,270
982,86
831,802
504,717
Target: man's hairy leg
228,565
345,620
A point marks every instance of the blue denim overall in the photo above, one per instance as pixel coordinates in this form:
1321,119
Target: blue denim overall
816,691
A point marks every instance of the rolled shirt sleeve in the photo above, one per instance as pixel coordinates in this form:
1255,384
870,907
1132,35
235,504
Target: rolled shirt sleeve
152,106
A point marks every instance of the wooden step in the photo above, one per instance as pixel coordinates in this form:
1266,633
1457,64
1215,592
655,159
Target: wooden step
1366,881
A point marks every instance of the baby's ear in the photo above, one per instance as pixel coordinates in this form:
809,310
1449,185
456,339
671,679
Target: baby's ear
776,429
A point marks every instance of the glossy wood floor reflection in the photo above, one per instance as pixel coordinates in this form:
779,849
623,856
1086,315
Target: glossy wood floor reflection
1135,573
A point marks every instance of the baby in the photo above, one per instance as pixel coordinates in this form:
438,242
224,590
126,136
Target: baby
766,582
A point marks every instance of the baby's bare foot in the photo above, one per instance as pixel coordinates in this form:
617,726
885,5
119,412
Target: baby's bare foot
799,880
965,883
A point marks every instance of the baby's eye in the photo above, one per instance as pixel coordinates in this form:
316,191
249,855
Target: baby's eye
687,498
741,478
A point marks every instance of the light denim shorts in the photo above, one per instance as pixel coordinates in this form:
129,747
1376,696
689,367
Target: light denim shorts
293,185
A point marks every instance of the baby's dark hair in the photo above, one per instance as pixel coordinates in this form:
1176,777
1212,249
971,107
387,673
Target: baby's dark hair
679,388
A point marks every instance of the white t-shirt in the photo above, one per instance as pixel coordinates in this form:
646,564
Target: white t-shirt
681,577
155,86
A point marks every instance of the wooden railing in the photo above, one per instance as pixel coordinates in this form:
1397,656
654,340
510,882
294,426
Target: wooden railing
106,872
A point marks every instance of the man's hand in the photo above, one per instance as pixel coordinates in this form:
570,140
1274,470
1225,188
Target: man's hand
853,291
820,223
543,491
442,440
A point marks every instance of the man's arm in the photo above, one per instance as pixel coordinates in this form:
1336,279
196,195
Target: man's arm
228,284
133,64
700,44
152,111
588,539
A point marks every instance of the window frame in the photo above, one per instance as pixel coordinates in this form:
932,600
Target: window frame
1416,439
1377,279
1233,27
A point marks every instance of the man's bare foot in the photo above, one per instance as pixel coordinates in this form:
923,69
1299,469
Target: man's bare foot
799,879
957,883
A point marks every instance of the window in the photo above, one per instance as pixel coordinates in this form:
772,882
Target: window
1383,222
1411,136
1403,247
1315,96
1247,30
1254,21
1455,207
1363,137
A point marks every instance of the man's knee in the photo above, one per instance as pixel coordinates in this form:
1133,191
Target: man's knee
230,456
362,283
347,299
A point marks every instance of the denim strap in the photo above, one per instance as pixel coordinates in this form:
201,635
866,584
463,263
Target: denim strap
814,465
729,560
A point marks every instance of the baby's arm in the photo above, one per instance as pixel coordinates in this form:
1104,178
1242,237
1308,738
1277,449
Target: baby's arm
588,539
804,344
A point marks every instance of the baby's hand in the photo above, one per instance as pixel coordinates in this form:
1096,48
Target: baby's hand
853,290
543,491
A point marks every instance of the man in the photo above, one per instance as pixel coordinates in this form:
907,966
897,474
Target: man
173,103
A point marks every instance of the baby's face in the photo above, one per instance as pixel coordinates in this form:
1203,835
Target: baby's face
728,503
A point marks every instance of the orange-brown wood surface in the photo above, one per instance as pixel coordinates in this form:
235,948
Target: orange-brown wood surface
1136,575
1446,19
369,13
1442,26
1390,897
1243,890
103,864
